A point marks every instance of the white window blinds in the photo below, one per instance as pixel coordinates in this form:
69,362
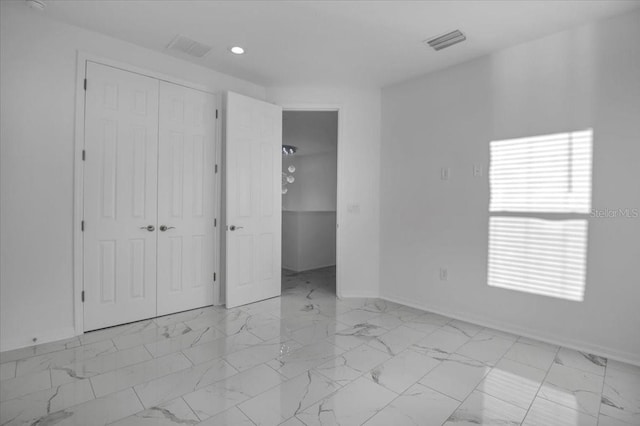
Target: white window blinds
540,200
550,174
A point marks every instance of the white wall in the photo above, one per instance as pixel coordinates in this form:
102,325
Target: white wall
587,77
358,179
316,182
308,239
37,82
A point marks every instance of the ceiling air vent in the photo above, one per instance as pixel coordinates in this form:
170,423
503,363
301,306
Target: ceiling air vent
446,40
186,45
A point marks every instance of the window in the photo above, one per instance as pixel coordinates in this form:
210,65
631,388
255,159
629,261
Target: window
540,201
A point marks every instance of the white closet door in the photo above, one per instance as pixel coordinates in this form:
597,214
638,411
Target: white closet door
186,198
254,195
120,193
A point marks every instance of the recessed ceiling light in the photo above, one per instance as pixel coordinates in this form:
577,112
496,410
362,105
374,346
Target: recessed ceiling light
237,50
38,5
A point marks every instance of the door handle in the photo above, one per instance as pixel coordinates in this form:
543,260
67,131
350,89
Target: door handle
233,227
149,228
166,228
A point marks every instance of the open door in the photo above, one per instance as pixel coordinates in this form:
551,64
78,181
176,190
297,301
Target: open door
253,163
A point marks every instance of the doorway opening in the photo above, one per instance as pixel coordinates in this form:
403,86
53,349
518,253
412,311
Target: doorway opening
309,202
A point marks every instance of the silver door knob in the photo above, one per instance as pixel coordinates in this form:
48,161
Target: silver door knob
149,228
166,228
233,227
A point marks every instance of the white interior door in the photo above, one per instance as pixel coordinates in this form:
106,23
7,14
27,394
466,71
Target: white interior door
186,198
253,163
120,193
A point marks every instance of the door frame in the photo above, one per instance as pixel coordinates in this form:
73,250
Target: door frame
339,108
82,58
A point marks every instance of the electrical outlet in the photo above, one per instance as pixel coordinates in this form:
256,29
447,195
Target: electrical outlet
444,274
445,173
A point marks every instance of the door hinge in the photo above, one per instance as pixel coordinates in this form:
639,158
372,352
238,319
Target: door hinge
84,155
214,277
216,113
215,222
216,169
85,84
82,226
82,296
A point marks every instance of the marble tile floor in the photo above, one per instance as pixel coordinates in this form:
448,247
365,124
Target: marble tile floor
307,358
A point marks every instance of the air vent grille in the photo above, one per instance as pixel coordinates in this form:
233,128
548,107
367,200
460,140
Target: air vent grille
446,40
186,45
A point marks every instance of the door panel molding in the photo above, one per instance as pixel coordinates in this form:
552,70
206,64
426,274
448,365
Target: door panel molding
141,103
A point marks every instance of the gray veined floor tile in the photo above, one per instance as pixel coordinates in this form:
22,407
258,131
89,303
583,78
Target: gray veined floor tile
351,405
84,369
8,370
23,385
440,344
289,398
97,412
172,413
231,417
352,364
456,376
402,371
221,347
418,406
462,328
45,348
222,395
316,332
547,413
386,320
427,322
28,409
573,388
357,335
183,341
396,340
146,371
174,385
486,348
483,409
513,382
305,358
120,330
581,360
64,357
621,394
260,353
214,318
534,355
150,335
356,316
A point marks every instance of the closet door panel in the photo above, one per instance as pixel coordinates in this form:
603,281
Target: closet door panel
186,198
120,196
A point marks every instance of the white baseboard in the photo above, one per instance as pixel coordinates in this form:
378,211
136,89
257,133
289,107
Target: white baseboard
307,269
362,295
50,336
578,345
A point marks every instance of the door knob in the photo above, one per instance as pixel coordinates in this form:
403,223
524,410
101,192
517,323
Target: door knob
233,227
166,228
149,228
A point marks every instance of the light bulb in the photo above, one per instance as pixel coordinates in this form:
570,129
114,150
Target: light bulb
292,168
284,190
290,179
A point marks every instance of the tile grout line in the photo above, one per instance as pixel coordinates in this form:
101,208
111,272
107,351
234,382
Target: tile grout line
541,384
484,377
604,378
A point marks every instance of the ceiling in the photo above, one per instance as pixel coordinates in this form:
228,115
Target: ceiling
312,132
362,43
